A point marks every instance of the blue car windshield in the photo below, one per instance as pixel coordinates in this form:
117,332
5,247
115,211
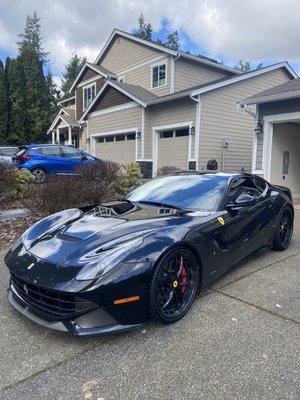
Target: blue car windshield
189,192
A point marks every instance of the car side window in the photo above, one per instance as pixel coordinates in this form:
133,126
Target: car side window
52,151
242,185
261,184
70,152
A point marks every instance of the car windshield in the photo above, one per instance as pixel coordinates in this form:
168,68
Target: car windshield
190,192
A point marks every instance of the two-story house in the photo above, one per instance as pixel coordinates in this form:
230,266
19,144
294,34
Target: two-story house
140,101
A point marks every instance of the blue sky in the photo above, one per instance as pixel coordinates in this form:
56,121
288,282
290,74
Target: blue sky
259,31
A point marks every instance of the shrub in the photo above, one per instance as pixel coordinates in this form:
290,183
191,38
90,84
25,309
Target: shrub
22,179
7,181
166,170
130,176
93,184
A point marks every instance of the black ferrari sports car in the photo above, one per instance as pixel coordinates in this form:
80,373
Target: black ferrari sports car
114,266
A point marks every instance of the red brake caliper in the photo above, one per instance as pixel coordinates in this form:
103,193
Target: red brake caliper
182,278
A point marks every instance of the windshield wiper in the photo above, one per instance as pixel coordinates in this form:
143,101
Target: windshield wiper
160,204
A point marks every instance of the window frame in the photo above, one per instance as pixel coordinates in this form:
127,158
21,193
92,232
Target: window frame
84,88
157,65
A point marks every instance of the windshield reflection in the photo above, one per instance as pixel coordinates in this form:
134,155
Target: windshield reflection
192,192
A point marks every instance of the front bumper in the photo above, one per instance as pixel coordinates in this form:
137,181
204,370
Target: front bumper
95,322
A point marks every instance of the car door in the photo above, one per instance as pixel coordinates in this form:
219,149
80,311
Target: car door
50,158
245,225
72,158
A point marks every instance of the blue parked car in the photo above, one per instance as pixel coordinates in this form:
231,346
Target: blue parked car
43,159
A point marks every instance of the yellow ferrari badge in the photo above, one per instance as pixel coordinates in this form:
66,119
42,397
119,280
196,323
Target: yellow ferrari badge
221,220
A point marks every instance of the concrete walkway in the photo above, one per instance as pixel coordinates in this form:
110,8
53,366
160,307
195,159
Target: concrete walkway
239,341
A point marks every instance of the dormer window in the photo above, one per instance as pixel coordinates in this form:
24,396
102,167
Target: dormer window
159,75
89,92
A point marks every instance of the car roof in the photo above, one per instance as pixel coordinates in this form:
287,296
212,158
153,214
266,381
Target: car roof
33,145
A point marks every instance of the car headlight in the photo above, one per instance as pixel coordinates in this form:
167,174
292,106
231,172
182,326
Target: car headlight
100,262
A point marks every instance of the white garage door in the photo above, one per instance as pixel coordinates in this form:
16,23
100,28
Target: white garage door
118,148
173,148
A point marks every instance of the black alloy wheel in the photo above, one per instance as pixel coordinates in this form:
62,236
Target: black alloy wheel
284,230
174,286
39,174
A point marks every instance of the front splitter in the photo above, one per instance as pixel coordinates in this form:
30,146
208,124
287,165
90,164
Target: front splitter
81,326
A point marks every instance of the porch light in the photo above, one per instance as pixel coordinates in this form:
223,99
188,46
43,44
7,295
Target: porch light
138,134
258,130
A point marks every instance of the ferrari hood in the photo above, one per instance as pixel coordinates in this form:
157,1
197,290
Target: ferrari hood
70,234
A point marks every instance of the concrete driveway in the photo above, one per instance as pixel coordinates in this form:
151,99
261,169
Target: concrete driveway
239,341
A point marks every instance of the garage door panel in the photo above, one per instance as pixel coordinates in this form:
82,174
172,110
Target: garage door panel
173,151
122,152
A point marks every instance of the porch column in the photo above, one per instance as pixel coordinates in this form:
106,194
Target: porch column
57,136
69,135
53,136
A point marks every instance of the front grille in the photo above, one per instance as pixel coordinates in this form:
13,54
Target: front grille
50,301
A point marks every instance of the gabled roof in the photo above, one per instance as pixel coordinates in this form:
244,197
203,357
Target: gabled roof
67,116
287,90
134,92
251,74
67,100
99,69
165,49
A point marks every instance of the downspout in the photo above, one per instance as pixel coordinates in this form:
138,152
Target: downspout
197,127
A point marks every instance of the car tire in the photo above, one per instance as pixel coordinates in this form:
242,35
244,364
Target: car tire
284,229
174,286
39,174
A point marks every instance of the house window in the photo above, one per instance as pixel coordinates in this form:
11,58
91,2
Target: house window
158,75
89,92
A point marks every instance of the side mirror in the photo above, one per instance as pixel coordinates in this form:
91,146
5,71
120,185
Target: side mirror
130,190
243,200
84,158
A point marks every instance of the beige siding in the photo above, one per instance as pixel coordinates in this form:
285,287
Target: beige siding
121,152
142,76
183,110
82,139
220,119
189,74
173,152
125,53
123,119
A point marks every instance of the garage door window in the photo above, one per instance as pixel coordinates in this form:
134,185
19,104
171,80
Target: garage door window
109,139
182,132
120,138
166,134
130,136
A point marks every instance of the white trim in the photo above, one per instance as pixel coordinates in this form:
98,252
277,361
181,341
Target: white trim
91,80
143,64
66,100
156,130
56,119
269,121
249,75
85,87
134,38
109,83
172,77
143,133
274,97
254,142
109,110
159,64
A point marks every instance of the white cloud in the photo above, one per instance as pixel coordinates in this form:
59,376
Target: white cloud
231,29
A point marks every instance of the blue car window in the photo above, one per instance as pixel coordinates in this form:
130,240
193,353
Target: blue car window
48,151
70,152
192,192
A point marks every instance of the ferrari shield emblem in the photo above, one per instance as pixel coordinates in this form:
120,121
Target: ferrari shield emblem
221,220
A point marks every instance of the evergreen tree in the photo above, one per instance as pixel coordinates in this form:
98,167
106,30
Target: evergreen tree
3,103
173,40
245,66
54,95
144,30
31,37
72,70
